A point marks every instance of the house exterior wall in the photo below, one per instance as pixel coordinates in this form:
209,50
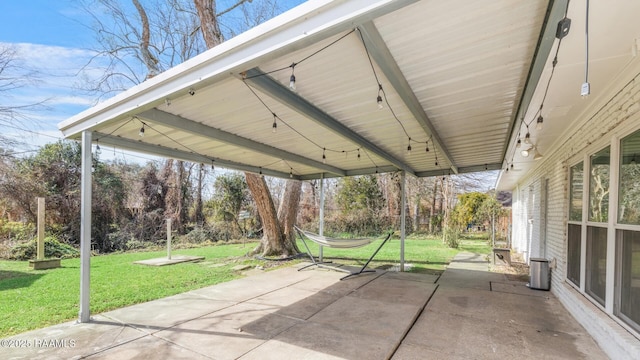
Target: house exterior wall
610,118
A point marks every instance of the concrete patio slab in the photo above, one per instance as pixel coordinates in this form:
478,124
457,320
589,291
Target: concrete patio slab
519,288
77,339
311,314
488,338
327,339
231,332
175,259
160,314
140,350
426,278
370,317
279,350
395,291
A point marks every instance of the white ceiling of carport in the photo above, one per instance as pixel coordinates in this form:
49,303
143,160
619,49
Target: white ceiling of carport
454,72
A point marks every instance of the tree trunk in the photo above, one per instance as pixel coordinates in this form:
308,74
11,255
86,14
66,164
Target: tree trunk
149,60
278,238
272,235
198,214
287,213
208,22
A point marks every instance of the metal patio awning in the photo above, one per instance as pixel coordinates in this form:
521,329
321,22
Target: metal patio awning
456,77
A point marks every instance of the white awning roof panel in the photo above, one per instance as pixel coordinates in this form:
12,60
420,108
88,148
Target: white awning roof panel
453,72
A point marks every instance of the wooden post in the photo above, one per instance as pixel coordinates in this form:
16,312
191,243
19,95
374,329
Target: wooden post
40,246
169,238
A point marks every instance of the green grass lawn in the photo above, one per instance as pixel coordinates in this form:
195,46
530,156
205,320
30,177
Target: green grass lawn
31,299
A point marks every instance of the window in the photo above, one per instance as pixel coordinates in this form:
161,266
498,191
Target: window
574,233
575,192
629,188
628,257
599,186
596,263
573,253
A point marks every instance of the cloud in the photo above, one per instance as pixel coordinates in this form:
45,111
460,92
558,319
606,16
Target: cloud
50,74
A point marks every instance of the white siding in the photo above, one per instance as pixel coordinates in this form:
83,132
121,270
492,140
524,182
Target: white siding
616,116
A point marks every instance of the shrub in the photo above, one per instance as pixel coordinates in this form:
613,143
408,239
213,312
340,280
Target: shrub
199,235
52,248
18,231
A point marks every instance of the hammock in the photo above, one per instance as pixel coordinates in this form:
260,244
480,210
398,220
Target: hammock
339,244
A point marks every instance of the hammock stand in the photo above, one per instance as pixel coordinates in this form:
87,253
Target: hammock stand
340,244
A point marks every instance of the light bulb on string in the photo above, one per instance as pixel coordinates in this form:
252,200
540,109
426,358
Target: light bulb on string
527,138
324,156
358,154
518,143
274,127
291,173
409,147
292,79
141,132
427,147
539,123
379,98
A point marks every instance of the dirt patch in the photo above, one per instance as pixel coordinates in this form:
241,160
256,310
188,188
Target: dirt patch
518,271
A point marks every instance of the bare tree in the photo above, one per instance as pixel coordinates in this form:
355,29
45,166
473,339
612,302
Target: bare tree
14,76
278,234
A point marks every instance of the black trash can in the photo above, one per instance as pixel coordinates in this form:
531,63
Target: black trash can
539,275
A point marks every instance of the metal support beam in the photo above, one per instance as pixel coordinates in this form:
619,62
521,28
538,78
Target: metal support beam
174,121
283,94
403,214
555,13
166,152
382,56
461,170
321,226
85,227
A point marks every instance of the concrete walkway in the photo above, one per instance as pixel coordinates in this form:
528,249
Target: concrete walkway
467,313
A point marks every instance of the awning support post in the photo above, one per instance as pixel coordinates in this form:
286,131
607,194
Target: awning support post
403,215
85,226
321,226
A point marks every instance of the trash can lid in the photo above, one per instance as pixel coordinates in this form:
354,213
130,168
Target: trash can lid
538,259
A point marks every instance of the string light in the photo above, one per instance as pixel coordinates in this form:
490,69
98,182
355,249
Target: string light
527,137
358,153
141,132
292,79
167,102
291,173
324,156
427,148
379,98
409,147
192,92
275,124
540,122
518,143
